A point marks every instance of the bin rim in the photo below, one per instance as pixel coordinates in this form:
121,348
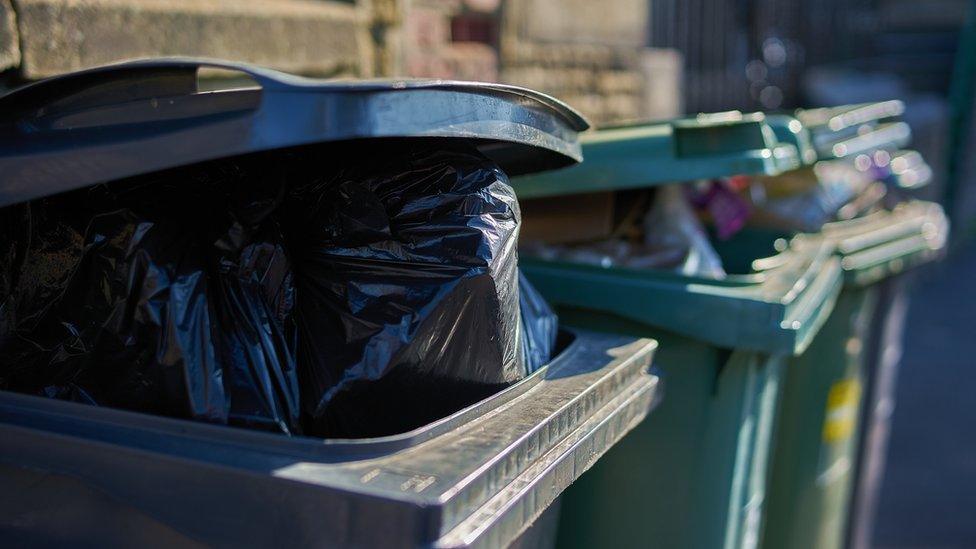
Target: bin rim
777,309
465,488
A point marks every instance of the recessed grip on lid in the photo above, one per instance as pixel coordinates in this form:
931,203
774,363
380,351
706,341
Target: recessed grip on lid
120,83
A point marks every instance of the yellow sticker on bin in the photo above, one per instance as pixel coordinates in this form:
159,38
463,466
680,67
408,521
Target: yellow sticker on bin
842,406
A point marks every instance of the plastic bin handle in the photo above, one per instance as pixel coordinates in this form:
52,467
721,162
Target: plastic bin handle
129,81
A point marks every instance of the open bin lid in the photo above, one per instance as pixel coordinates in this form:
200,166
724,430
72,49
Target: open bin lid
908,170
886,243
889,135
138,117
849,117
647,155
849,130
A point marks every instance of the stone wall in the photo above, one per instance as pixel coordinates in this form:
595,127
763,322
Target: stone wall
591,55
587,53
317,37
430,47
9,46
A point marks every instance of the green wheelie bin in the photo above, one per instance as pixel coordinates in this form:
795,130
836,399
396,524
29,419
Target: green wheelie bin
837,395
694,474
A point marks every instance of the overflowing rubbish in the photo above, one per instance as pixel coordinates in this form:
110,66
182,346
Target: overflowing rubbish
293,292
804,200
667,235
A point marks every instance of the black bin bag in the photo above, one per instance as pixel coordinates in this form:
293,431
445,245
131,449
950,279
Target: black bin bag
540,326
406,283
283,253
166,295
341,292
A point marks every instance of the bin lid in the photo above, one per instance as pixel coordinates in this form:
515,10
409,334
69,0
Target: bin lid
651,154
138,117
887,242
841,117
848,130
908,170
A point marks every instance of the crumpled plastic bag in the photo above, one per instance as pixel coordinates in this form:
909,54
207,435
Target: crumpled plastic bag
406,287
672,225
804,200
165,297
540,326
356,295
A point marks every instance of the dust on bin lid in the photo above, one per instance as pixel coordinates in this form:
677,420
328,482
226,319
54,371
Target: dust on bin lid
650,154
138,117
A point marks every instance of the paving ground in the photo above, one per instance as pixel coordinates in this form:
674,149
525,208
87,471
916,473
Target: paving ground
928,498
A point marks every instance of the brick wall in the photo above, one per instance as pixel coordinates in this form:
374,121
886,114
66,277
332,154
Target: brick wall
40,38
591,55
587,53
9,46
432,47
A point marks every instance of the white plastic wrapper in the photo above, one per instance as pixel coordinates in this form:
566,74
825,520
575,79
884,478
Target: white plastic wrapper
674,240
838,183
671,225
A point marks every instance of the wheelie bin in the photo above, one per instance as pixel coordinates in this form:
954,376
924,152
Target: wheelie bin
906,171
693,475
488,474
837,396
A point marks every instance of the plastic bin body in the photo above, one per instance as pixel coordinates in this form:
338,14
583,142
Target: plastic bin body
735,389
694,475
837,398
884,355
840,390
815,451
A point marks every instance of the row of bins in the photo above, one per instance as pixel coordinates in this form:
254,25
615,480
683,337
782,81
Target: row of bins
776,373
729,277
